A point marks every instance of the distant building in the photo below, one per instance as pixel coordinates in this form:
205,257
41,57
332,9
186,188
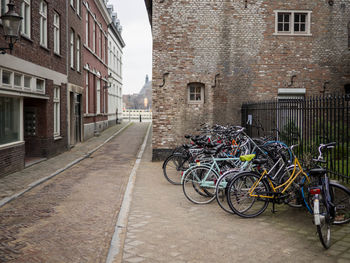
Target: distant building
115,69
141,100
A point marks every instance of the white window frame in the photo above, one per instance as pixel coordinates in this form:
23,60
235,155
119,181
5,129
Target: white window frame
78,54
72,3
87,92
43,23
201,93
56,33
72,49
94,36
26,21
100,38
98,96
3,7
57,117
291,31
87,28
78,7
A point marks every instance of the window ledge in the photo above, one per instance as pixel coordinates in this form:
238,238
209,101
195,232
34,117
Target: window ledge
45,48
11,144
57,54
26,37
292,34
195,102
57,137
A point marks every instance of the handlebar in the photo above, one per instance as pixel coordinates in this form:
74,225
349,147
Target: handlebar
322,147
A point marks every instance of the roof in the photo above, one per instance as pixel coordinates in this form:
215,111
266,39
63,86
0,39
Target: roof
148,4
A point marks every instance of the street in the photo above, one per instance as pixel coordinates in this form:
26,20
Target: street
72,218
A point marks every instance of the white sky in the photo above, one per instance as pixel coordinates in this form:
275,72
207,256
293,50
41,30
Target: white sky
137,54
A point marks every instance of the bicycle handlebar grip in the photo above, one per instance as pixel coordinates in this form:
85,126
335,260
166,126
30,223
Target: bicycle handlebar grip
330,145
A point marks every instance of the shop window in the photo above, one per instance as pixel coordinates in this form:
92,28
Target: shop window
9,120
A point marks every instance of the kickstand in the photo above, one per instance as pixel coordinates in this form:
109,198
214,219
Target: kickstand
273,206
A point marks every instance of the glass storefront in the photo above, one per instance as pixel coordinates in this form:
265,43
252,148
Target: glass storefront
9,120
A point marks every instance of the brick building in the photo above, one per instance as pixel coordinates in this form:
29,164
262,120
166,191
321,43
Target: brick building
95,60
76,78
210,56
33,85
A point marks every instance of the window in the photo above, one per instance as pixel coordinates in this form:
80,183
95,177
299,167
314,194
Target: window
78,53
56,33
26,21
56,114
196,92
9,120
78,7
3,6
6,77
27,82
292,22
100,35
87,28
94,36
43,23
98,97
72,49
18,80
87,92
40,85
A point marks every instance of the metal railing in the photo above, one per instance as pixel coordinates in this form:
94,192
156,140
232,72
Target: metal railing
306,122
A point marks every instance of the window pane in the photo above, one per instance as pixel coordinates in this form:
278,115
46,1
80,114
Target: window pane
191,96
286,17
198,90
303,17
286,27
9,120
296,27
302,27
18,80
27,82
40,85
6,77
280,17
296,18
192,89
198,96
280,27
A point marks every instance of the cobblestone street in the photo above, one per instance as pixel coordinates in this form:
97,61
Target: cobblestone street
71,217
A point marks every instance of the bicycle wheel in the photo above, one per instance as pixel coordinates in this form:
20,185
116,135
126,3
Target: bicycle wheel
199,184
294,198
173,167
221,190
324,224
241,200
341,200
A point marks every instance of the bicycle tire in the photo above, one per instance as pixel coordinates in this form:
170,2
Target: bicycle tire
238,196
294,198
324,229
221,190
341,199
195,189
173,167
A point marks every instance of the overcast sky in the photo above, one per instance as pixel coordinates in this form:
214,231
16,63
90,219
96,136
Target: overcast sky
137,54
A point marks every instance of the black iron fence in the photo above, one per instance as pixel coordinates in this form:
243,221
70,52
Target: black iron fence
306,122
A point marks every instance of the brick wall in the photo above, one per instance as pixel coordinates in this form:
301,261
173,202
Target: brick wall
11,159
230,47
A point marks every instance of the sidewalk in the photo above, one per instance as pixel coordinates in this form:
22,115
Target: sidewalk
163,226
14,185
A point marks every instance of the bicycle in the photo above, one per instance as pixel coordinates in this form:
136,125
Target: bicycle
325,200
249,193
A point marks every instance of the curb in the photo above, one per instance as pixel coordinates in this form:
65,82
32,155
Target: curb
6,200
115,250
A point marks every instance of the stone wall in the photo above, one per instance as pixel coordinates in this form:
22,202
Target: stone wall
231,47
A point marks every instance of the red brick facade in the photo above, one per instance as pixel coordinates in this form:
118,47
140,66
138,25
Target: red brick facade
31,60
